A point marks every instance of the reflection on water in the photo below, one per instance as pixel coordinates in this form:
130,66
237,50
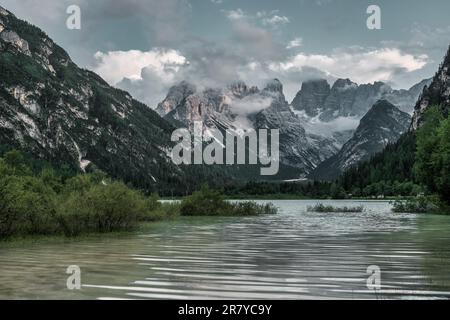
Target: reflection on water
293,255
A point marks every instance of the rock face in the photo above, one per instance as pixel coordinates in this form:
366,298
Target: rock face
58,112
240,107
297,148
312,96
3,11
175,97
348,99
437,93
14,39
383,124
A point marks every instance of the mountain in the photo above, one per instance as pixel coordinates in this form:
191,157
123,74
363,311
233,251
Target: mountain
348,99
395,163
56,111
240,107
437,93
383,124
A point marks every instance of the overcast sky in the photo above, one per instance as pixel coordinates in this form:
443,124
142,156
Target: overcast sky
145,46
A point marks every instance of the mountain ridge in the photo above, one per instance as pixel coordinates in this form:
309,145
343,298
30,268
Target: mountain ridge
346,98
382,125
240,107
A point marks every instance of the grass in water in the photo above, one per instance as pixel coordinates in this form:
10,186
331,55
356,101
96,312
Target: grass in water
429,204
207,202
328,208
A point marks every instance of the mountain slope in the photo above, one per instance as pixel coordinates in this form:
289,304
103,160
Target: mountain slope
383,124
437,93
56,111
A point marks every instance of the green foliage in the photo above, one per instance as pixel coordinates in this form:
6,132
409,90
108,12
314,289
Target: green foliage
417,164
27,206
101,208
47,202
433,154
322,208
250,208
316,189
207,202
417,205
390,167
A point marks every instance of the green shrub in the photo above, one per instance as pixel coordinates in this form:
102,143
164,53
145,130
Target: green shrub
320,208
207,202
102,208
27,206
250,208
418,205
432,165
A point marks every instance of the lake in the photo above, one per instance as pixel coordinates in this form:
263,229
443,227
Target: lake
293,255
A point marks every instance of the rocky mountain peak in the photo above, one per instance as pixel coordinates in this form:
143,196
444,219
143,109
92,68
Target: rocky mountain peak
175,96
312,96
274,86
383,124
274,90
239,89
384,111
340,84
382,106
348,99
319,85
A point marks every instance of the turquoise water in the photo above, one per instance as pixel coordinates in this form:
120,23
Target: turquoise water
293,255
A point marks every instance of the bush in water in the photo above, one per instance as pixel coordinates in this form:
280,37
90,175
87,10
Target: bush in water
207,202
102,208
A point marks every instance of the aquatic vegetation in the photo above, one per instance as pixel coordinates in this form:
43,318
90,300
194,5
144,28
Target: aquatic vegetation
45,202
420,205
207,202
320,207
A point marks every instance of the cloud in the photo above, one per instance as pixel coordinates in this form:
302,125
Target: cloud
323,2
269,19
297,42
358,64
275,20
237,14
115,66
250,105
147,75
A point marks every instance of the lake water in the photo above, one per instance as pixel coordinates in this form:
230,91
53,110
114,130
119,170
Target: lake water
293,255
